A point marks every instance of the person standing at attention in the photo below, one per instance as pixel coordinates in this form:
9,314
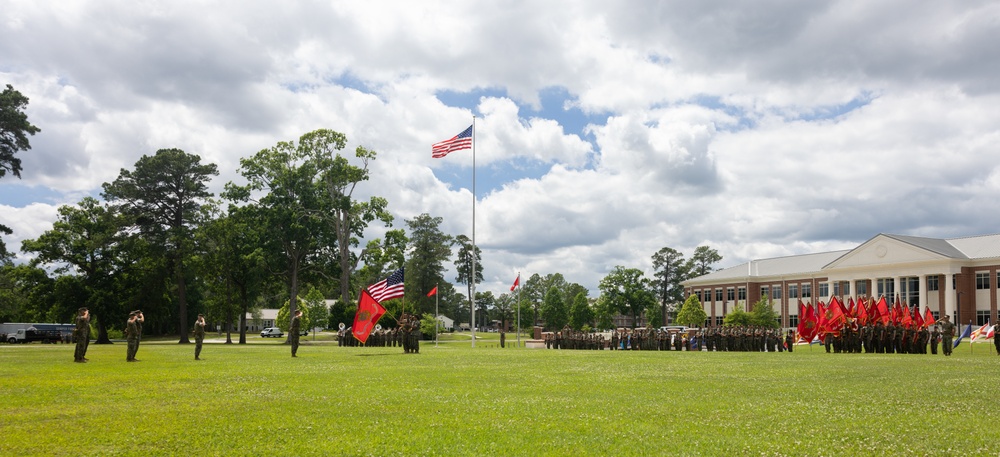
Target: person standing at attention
199,335
132,336
82,335
947,333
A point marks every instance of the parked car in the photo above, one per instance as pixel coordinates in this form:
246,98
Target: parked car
271,331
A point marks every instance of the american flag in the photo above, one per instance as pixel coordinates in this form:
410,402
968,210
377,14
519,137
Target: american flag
388,288
461,141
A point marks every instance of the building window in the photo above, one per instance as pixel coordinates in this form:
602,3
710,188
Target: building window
807,290
719,321
793,291
765,291
886,287
845,288
932,283
793,321
861,286
824,289
743,293
982,281
982,317
730,294
777,292
718,294
911,290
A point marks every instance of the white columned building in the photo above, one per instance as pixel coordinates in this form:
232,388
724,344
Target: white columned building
933,274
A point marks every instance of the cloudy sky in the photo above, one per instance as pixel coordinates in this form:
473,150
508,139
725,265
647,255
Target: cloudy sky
604,133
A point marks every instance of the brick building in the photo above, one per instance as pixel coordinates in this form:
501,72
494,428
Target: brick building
957,276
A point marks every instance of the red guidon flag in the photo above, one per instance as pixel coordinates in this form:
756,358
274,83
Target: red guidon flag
517,281
433,292
883,310
369,312
928,317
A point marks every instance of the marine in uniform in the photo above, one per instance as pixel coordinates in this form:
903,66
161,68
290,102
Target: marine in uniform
82,335
132,335
199,335
947,333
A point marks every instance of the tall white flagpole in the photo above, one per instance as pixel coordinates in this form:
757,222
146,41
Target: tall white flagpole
437,317
473,272
519,309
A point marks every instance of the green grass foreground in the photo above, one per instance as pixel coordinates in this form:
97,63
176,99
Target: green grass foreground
454,400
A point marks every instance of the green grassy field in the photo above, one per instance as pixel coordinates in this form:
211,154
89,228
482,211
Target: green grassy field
454,400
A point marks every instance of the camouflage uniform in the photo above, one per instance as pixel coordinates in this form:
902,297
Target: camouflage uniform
82,335
132,336
199,336
947,333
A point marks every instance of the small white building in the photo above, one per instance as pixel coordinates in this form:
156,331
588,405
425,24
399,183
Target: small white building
268,318
448,324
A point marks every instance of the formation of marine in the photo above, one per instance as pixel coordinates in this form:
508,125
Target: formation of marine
876,338
730,339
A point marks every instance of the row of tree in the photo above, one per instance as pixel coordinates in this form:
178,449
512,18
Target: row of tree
160,241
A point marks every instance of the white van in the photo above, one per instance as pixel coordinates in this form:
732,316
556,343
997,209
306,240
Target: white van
271,331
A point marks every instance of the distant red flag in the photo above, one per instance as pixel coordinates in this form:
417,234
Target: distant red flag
897,312
369,312
917,318
433,292
835,316
862,312
802,319
517,281
807,322
883,310
812,324
820,316
929,317
843,309
907,319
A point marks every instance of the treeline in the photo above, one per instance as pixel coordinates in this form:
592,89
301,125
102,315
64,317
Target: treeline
159,241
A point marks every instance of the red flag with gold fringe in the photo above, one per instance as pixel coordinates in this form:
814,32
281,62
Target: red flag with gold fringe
369,312
928,317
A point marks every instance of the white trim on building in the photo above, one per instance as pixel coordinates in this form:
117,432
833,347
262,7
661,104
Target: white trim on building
958,277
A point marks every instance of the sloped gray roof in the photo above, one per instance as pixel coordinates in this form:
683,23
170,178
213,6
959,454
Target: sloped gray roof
936,245
968,248
796,264
978,247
